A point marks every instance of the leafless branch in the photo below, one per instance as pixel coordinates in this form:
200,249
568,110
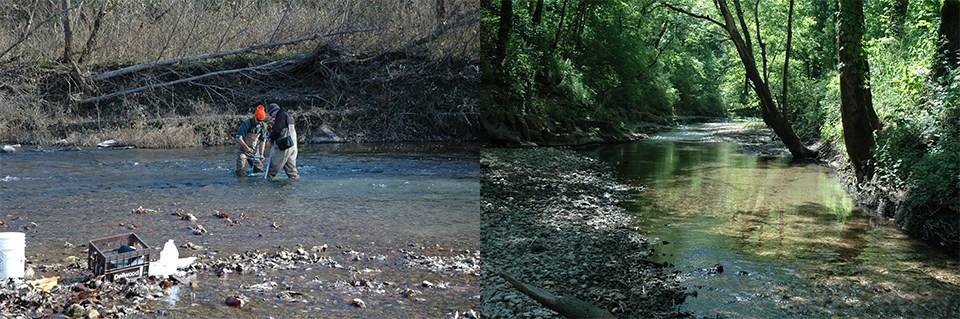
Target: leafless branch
103,98
139,67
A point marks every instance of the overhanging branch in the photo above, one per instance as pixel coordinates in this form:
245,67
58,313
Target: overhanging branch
695,15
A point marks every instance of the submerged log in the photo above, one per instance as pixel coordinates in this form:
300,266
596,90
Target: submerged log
566,306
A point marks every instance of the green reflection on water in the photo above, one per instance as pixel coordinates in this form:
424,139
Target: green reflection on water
791,239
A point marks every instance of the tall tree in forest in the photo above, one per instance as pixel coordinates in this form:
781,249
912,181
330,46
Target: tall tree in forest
786,63
856,105
538,13
503,35
768,107
67,32
948,39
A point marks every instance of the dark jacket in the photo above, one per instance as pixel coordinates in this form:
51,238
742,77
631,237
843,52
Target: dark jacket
280,123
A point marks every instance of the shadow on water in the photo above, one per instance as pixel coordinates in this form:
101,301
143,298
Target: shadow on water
761,237
373,198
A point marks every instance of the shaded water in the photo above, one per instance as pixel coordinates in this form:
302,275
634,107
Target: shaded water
372,198
759,237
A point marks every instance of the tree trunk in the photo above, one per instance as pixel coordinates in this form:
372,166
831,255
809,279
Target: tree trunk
441,12
899,17
503,35
97,23
856,106
786,65
768,107
563,15
67,32
948,44
538,13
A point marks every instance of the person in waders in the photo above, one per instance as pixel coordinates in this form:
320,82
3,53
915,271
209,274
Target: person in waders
283,137
251,137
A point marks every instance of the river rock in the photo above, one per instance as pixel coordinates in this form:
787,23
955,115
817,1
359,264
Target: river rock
357,302
74,310
8,149
324,134
234,301
107,144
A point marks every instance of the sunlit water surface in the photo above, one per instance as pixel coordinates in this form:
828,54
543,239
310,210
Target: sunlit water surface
372,198
759,237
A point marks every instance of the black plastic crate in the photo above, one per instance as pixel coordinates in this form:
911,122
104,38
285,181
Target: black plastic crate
120,256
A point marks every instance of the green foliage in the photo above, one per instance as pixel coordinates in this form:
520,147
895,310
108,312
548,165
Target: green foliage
611,60
922,154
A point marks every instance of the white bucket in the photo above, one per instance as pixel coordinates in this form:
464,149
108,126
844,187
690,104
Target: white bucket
12,256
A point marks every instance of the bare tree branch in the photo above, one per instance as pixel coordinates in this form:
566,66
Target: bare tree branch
27,34
456,23
110,96
139,67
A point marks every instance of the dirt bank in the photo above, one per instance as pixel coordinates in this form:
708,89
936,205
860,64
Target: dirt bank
551,219
334,94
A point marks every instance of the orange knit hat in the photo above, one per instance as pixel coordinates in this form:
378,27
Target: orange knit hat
260,114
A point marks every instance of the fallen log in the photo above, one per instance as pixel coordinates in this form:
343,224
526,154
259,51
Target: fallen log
566,306
114,95
144,66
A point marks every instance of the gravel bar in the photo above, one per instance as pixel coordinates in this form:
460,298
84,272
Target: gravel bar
551,218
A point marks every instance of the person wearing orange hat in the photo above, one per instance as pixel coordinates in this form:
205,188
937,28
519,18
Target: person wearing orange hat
251,140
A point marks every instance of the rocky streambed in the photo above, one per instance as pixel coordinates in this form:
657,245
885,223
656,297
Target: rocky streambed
551,219
266,279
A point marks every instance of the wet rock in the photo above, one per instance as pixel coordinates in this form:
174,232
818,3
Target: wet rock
409,293
427,284
141,210
718,268
191,246
357,302
74,310
234,301
198,230
8,149
107,144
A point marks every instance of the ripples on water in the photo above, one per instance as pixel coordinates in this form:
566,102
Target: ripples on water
759,237
374,198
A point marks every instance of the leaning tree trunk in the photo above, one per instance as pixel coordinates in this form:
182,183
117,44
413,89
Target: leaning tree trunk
856,107
768,108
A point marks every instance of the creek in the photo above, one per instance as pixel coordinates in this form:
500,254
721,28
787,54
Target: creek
376,199
756,236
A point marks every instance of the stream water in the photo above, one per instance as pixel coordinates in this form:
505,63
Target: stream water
760,237
373,198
